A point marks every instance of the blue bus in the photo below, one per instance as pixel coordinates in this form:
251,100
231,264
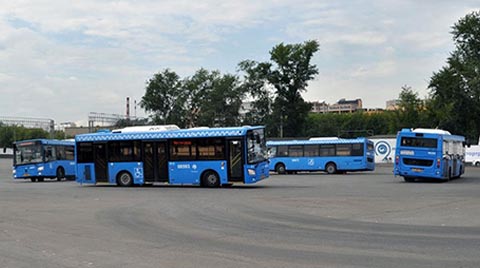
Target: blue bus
429,153
38,159
333,155
209,157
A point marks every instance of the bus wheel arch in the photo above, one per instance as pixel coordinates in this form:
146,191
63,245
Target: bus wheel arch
280,168
124,179
210,179
331,168
60,174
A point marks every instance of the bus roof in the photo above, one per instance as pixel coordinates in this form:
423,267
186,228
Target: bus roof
155,128
168,134
47,142
317,141
430,133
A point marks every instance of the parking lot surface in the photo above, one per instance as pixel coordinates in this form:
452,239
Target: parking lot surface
367,219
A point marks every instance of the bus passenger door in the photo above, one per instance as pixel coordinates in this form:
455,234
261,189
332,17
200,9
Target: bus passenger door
162,161
101,167
235,160
155,162
148,162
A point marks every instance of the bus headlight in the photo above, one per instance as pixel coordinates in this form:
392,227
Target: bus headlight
40,168
251,172
14,172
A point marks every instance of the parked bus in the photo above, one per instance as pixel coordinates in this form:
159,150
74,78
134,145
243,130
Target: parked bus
38,159
333,155
209,157
429,153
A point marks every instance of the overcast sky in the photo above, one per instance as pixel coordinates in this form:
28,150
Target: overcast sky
63,59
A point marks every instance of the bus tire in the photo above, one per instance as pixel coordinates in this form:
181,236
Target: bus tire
124,179
409,179
40,179
477,164
210,179
33,179
60,173
280,168
331,168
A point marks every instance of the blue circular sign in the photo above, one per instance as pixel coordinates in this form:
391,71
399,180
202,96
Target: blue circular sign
383,148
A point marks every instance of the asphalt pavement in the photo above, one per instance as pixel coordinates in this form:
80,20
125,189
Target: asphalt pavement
366,219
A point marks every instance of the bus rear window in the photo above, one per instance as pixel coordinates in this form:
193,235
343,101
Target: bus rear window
419,142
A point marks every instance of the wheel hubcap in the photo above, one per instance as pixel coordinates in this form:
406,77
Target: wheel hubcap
212,179
125,179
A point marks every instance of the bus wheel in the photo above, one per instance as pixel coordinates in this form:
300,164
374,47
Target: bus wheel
210,179
40,179
477,164
409,179
125,179
60,173
280,168
33,179
331,168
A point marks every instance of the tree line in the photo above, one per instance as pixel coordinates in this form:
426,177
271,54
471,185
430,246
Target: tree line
10,134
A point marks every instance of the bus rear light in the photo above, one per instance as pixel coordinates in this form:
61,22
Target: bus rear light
397,160
438,162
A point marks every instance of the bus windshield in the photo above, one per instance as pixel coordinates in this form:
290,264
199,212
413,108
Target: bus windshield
257,148
28,153
419,142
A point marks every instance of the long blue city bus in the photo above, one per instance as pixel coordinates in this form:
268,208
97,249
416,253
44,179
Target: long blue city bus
209,157
38,159
333,155
429,153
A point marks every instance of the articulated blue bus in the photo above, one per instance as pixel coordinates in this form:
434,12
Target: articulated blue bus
209,157
333,155
429,153
38,159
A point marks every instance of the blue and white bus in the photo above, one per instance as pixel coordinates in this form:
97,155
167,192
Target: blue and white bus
209,157
333,155
38,159
429,153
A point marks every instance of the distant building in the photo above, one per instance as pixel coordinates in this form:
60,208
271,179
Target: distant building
342,106
392,105
72,131
319,107
62,126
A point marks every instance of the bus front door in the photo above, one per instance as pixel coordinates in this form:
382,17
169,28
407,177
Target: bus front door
235,160
101,167
155,162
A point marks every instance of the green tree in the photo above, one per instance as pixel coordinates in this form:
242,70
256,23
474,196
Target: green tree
207,98
255,84
222,103
455,89
162,98
288,72
412,109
